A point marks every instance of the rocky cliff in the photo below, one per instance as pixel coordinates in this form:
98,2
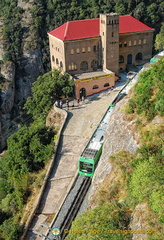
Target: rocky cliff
17,78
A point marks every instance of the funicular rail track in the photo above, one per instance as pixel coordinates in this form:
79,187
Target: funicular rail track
71,206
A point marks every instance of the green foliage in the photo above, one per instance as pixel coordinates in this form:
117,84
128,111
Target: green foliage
12,30
102,222
146,176
10,231
156,200
159,41
46,90
28,149
149,92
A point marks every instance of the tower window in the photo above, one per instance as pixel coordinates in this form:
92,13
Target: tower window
94,48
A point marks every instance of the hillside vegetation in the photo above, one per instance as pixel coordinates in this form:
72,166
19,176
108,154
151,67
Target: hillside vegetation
22,168
138,178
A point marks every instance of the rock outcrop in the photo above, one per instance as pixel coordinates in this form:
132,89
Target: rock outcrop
18,79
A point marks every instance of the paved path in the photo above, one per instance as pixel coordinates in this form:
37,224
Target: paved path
82,121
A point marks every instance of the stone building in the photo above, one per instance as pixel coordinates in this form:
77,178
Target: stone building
94,51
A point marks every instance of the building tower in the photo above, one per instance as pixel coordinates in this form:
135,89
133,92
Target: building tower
109,32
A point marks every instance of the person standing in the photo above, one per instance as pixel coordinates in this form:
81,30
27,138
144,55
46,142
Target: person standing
61,103
82,99
56,103
67,104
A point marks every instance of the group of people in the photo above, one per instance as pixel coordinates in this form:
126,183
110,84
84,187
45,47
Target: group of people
60,103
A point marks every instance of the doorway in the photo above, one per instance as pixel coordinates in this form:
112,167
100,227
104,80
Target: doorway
129,59
82,92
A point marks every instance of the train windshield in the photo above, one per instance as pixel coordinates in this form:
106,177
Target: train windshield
86,167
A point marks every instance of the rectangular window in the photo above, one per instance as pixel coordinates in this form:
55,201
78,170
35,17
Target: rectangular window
144,41
89,49
72,51
139,42
130,43
135,42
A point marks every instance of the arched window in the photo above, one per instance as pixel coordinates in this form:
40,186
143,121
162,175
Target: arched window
120,44
57,61
72,51
130,43
139,56
53,59
135,42
84,66
83,50
125,44
121,59
61,64
94,65
139,42
106,85
95,87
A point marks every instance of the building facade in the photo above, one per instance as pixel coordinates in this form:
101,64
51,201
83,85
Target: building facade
90,49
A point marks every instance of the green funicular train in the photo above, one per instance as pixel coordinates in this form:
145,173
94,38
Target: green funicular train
89,158
91,154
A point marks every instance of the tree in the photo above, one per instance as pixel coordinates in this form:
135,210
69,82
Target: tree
46,90
102,222
159,40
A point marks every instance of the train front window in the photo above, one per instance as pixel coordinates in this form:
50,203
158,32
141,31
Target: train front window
86,167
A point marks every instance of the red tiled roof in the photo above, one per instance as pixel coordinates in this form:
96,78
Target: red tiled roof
77,29
131,24
91,28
